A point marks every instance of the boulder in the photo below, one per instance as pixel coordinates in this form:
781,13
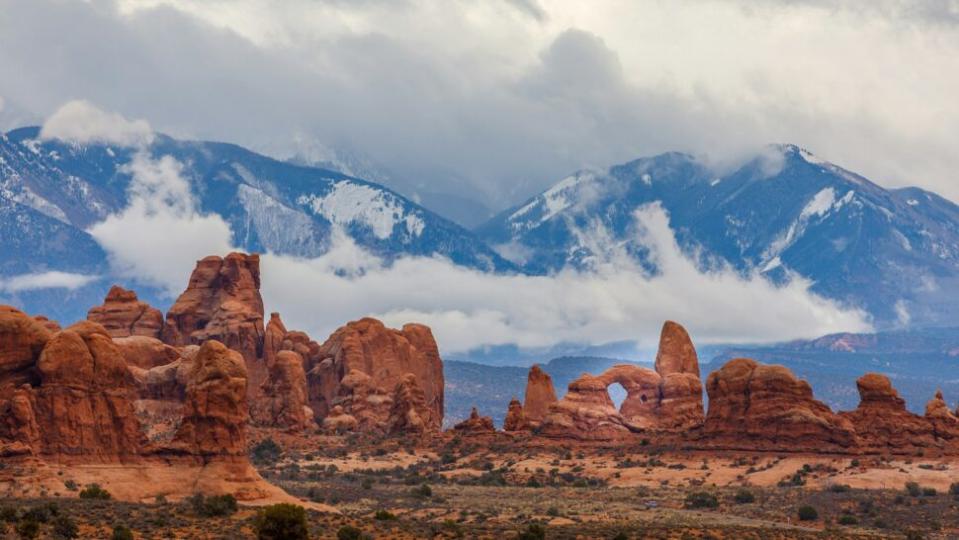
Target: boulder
51,325
22,338
284,401
540,394
338,421
215,411
123,315
475,424
765,407
363,363
516,417
146,352
222,302
883,423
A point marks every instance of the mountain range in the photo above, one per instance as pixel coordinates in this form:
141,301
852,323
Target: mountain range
783,214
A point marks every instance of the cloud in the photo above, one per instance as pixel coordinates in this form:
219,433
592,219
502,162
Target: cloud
495,104
619,301
82,122
44,280
160,235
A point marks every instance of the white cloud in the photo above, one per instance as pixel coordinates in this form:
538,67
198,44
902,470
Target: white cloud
44,280
82,122
160,235
620,301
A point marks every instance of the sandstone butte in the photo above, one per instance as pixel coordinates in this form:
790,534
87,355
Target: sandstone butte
68,404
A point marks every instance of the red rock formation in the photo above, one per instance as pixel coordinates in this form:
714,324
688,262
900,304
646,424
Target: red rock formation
52,326
410,413
273,338
882,421
668,399
338,421
516,417
84,402
215,412
22,338
123,314
363,363
539,395
222,302
585,413
475,424
945,423
284,402
676,351
754,406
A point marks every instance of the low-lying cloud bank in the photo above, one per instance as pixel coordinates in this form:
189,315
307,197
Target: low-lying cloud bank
44,280
467,308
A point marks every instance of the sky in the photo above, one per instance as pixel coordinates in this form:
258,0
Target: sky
499,99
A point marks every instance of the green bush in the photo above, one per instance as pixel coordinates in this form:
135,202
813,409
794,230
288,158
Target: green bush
281,522
839,488
64,527
913,489
534,531
349,532
744,496
423,491
8,514
122,532
808,513
94,491
40,514
954,489
384,515
847,519
216,505
701,499
929,492
266,452
28,528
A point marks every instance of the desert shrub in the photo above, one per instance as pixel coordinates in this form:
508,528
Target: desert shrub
8,514
94,491
281,522
40,514
65,528
808,513
913,489
71,485
384,515
621,536
954,489
701,499
349,532
929,492
534,531
424,491
744,496
216,505
266,452
552,511
367,484
28,528
847,519
839,488
122,532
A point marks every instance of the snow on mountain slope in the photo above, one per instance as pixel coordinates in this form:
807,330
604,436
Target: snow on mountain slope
785,213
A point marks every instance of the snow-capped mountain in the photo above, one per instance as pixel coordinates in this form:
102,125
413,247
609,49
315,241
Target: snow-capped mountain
52,192
784,213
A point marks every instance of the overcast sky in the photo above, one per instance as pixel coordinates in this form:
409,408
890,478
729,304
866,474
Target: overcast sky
507,96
